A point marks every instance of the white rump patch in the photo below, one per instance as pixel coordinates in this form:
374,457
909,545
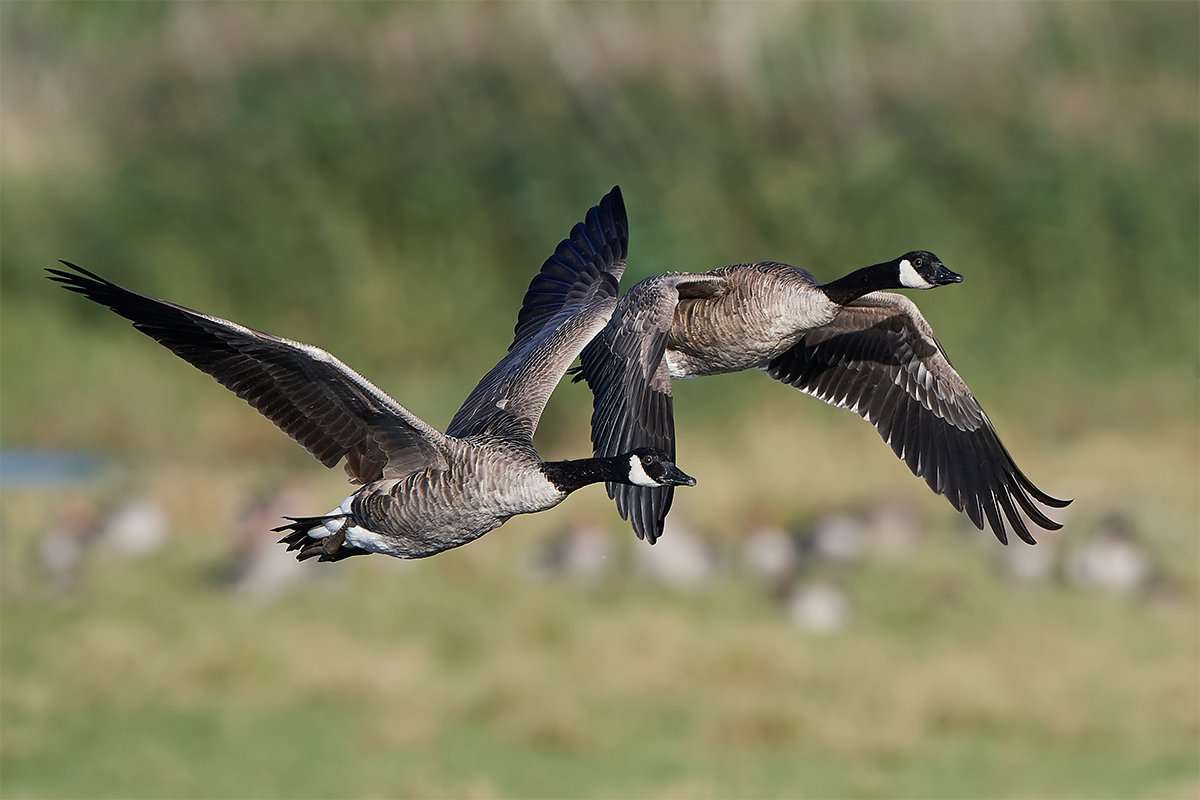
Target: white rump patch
910,278
357,536
332,526
637,473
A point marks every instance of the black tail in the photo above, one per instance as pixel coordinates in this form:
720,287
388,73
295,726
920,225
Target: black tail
327,548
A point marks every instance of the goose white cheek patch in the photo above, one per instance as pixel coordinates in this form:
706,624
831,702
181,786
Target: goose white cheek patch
910,278
637,473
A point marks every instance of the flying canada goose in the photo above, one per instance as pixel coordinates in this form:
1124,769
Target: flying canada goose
844,342
423,491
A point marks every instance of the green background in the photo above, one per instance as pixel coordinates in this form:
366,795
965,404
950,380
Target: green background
382,180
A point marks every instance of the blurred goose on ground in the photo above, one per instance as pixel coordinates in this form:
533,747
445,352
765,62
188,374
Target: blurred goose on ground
423,491
582,555
1113,559
844,342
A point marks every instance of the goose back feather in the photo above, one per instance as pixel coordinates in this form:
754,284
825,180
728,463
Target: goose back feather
760,313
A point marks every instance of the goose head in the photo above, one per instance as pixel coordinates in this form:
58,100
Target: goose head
649,467
921,269
916,269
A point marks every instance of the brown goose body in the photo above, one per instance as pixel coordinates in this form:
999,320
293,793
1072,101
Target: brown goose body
871,352
760,312
482,485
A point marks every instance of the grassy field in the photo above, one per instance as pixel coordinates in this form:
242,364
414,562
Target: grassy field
409,167
459,676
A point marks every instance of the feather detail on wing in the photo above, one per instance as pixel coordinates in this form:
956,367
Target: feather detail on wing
880,359
331,410
567,303
631,387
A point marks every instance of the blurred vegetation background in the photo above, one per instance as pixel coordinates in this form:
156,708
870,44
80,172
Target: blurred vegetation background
383,179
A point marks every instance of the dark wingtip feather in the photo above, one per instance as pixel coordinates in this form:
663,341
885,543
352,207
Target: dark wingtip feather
1027,484
1053,502
1038,494
77,269
1014,519
614,203
595,248
1028,506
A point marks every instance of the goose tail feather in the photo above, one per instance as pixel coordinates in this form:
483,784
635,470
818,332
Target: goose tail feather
312,538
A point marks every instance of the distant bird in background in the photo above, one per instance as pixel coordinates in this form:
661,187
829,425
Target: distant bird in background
423,491
844,342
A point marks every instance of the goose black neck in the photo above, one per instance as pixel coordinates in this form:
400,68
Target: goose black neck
571,475
862,281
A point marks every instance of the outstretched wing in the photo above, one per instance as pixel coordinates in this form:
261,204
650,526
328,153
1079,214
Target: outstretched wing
567,303
880,359
631,388
317,400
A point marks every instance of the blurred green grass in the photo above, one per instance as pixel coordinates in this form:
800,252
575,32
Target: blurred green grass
456,677
405,171
382,180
